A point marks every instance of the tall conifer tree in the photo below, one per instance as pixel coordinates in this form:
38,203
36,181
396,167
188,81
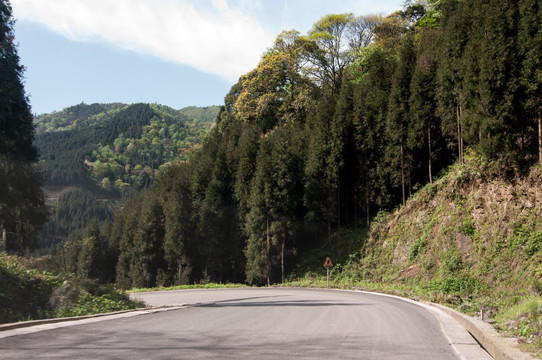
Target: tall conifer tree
22,210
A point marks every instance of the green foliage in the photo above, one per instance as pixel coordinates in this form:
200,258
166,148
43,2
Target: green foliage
22,206
458,284
469,229
451,262
417,248
16,127
27,294
98,300
24,292
526,237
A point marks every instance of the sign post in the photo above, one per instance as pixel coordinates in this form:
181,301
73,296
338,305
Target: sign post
327,265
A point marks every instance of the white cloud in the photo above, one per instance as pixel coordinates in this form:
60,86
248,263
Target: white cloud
217,38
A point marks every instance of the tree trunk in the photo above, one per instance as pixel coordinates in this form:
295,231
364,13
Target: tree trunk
267,260
329,231
403,174
355,207
430,153
179,273
367,195
282,258
3,240
346,202
339,209
540,138
459,113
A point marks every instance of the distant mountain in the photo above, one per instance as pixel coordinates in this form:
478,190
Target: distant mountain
119,147
93,156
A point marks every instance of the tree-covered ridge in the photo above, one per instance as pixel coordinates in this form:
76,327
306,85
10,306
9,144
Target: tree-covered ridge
120,146
78,116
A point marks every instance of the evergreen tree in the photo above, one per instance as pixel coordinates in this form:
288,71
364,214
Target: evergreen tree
453,38
16,121
321,182
491,63
286,189
218,225
22,209
149,241
530,49
371,74
180,230
90,251
257,223
424,131
398,115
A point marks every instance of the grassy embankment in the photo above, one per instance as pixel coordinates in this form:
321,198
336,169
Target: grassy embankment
30,294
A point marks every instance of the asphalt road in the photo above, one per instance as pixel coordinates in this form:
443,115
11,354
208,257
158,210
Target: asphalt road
271,323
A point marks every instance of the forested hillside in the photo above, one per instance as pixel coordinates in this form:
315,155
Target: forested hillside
334,127
120,146
96,155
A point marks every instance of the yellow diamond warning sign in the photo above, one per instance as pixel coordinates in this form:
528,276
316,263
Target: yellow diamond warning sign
328,263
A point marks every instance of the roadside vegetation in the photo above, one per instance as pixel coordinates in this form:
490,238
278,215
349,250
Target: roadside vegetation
30,294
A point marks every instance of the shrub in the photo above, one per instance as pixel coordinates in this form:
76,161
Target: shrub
534,243
24,293
416,248
469,229
102,299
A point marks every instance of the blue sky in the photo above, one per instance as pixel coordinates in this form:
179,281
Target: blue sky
172,52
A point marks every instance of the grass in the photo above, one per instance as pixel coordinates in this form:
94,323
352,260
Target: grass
187,287
523,319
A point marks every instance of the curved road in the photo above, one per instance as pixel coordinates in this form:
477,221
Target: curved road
269,323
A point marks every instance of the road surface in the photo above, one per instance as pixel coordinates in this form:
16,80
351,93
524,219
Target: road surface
270,323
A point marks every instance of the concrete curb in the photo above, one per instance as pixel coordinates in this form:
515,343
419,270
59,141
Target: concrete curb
498,346
24,324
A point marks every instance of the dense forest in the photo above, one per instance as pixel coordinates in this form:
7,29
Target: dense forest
330,129
97,156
